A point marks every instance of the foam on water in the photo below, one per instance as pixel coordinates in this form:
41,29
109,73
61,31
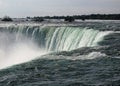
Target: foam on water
89,56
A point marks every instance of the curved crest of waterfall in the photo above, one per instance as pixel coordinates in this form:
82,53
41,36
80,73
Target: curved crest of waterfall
53,38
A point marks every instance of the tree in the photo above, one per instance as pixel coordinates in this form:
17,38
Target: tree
6,18
38,19
69,19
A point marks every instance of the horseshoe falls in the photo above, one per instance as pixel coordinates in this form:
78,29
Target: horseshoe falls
63,55
24,43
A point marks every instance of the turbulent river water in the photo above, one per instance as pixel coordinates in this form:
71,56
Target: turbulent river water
85,54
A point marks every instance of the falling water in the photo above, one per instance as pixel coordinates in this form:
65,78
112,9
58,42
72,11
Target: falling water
20,44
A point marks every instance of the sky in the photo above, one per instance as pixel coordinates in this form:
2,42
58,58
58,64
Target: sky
23,8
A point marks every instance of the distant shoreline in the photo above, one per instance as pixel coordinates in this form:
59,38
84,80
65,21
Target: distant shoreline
93,17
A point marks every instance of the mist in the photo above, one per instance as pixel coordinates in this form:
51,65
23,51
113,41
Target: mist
16,49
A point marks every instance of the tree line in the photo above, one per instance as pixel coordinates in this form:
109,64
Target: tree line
70,18
81,17
91,16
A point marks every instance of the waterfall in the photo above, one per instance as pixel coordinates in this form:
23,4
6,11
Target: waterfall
53,38
19,44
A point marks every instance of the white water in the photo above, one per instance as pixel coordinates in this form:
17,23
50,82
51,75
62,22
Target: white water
14,51
89,56
17,47
69,38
